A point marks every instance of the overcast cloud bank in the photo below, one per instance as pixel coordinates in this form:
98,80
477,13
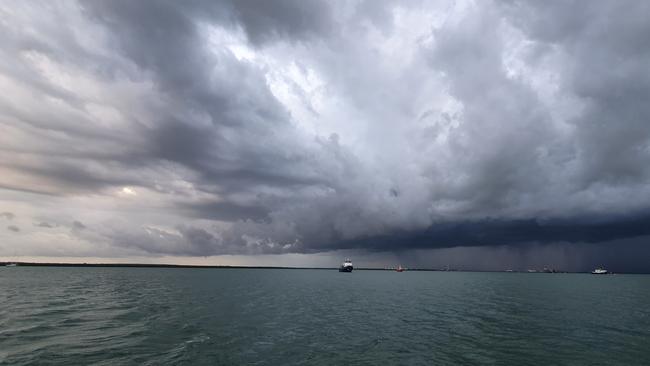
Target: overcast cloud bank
242,127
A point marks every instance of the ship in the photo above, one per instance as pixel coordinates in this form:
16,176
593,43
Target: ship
346,266
600,270
400,269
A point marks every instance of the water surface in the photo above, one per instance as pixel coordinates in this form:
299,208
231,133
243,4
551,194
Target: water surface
153,316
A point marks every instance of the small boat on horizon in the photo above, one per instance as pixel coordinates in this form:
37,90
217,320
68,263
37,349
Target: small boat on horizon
346,266
11,265
400,269
600,270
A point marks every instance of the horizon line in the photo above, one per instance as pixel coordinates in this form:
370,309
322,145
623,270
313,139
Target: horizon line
220,266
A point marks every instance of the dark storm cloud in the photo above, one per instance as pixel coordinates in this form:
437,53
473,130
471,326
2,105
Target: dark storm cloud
165,41
227,211
227,165
13,228
495,232
502,163
606,67
176,107
266,21
240,142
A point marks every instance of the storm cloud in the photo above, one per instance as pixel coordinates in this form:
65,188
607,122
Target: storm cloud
251,127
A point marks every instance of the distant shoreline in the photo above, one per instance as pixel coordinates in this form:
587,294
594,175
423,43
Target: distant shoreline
145,265
154,265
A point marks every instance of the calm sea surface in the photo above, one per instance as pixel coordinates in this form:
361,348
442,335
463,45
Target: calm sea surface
146,316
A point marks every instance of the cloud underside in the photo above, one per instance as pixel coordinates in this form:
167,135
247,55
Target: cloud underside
246,127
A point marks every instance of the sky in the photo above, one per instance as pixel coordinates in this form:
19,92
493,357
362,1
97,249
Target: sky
476,134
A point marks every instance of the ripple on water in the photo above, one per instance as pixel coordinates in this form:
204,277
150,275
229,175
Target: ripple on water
120,316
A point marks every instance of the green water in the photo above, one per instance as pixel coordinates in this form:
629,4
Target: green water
146,316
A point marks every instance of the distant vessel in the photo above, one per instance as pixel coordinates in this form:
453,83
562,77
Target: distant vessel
11,265
346,266
400,269
599,271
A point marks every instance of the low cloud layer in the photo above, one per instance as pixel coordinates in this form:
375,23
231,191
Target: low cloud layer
243,127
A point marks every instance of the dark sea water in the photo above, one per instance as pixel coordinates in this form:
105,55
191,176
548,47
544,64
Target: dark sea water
147,316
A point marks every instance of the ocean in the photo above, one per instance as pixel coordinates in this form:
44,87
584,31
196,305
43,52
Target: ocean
181,316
